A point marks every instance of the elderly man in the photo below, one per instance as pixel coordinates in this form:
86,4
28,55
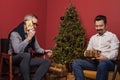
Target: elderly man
22,41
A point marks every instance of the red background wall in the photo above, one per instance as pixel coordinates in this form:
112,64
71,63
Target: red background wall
12,13
49,12
87,10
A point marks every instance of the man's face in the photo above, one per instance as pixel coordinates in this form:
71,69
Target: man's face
100,26
31,24
35,22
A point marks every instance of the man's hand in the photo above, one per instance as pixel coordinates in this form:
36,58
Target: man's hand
30,34
49,53
101,57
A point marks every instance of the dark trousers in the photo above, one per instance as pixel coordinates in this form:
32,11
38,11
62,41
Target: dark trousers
25,62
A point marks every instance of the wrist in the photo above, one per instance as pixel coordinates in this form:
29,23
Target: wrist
28,39
43,51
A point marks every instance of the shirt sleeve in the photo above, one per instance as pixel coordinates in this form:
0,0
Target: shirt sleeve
37,47
90,43
17,44
113,51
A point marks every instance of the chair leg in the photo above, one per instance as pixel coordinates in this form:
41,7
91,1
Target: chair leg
10,68
115,72
1,60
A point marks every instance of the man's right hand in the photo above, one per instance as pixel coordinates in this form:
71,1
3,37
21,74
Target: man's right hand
30,34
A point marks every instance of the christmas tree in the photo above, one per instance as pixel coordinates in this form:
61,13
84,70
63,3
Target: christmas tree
70,41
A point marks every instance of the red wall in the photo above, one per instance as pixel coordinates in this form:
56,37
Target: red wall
13,11
87,10
49,12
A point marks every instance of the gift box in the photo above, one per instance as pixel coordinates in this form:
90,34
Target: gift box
70,76
57,72
60,68
92,53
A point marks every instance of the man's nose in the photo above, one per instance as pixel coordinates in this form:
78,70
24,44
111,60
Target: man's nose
98,27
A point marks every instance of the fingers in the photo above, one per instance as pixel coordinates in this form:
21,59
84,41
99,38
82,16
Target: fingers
48,51
30,34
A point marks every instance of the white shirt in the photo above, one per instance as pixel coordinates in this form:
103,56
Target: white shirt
107,43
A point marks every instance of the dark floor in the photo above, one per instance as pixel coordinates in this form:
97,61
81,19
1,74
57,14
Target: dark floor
6,77
18,77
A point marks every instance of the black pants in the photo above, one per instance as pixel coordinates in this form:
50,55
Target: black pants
25,62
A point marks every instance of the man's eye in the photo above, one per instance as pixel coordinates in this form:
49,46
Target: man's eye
35,24
98,25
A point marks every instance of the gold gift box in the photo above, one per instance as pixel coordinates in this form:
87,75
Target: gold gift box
92,53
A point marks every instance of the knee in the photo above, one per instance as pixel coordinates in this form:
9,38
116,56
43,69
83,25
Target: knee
76,63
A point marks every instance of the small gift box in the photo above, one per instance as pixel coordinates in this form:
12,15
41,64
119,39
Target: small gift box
92,53
60,68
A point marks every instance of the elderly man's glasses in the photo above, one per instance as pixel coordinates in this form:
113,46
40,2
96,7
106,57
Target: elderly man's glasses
35,24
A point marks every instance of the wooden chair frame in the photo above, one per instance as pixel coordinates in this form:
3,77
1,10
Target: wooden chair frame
9,57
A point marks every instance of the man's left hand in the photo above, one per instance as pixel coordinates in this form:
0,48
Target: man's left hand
101,57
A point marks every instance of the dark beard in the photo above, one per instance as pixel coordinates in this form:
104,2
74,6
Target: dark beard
101,31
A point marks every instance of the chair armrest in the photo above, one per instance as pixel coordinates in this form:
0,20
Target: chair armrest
6,56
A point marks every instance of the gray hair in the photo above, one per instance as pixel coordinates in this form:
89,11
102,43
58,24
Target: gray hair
29,17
